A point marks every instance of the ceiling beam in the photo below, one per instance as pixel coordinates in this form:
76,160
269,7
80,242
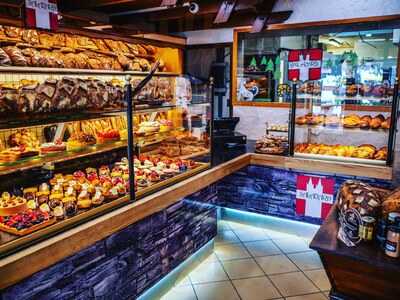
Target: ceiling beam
90,4
206,7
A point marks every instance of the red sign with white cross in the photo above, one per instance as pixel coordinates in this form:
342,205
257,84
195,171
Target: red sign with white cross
304,64
41,14
314,196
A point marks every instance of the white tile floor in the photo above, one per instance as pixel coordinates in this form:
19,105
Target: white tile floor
253,263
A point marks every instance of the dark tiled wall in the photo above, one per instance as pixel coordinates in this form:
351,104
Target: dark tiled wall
271,191
128,262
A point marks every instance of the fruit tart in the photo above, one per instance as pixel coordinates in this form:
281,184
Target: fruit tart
11,205
25,222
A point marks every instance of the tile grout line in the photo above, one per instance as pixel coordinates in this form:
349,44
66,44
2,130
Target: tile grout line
265,274
286,254
222,265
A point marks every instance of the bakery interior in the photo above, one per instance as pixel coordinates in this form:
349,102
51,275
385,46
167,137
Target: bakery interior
199,149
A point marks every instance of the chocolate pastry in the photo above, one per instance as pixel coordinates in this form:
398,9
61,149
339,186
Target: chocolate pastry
63,94
16,56
70,208
79,96
4,58
44,94
27,97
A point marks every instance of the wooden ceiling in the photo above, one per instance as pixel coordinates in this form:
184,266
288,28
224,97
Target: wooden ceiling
161,16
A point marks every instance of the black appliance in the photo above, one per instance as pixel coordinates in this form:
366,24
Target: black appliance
227,143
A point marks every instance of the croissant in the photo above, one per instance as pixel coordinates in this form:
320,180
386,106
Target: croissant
30,36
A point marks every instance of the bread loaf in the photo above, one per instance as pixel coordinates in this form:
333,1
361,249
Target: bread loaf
359,196
4,58
16,56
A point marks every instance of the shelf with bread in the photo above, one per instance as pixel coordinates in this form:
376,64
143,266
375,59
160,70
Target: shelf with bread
350,122
364,154
41,49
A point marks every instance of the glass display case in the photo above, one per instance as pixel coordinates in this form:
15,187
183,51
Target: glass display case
64,130
347,115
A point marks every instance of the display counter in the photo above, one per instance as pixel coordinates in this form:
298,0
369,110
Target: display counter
40,256
373,274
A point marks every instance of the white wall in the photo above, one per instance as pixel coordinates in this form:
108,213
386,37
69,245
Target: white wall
307,11
322,10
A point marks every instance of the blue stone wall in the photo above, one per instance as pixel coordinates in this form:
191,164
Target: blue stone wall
272,191
128,262
132,260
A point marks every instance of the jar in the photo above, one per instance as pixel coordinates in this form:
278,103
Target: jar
392,217
381,233
366,228
392,247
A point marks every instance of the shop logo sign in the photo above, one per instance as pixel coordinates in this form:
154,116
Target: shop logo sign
305,64
41,14
314,196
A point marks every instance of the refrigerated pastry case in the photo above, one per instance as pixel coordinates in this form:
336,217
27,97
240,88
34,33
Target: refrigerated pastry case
64,151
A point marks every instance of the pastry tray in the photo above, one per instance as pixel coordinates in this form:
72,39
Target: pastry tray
341,159
29,230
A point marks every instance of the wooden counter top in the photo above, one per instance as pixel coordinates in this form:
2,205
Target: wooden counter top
335,167
326,241
42,255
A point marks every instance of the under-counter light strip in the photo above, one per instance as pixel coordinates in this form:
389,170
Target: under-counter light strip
167,282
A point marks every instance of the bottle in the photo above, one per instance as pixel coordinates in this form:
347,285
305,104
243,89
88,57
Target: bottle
381,232
392,217
392,247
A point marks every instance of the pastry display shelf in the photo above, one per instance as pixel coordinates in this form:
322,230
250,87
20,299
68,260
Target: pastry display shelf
143,191
79,71
340,129
10,242
353,160
30,120
344,98
40,161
